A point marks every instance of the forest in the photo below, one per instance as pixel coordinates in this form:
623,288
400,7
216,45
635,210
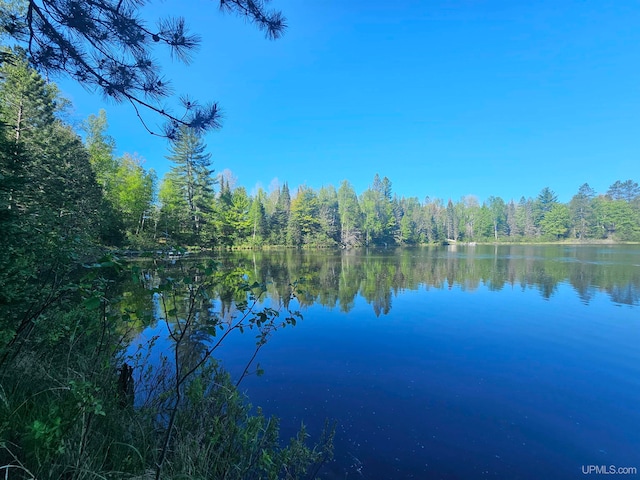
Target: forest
115,201
195,207
69,206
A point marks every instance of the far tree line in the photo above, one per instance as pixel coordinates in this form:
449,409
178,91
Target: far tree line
195,207
61,181
339,217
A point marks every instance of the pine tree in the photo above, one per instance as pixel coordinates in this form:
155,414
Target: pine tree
105,45
543,205
192,176
379,222
280,218
581,208
627,190
304,223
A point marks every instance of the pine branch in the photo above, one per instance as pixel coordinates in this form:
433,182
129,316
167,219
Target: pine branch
105,45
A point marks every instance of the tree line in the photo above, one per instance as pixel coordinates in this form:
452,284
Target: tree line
195,207
339,217
112,200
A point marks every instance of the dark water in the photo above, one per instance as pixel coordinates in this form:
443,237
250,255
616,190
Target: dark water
475,362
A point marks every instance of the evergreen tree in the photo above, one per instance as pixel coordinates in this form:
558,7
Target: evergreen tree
436,220
543,204
192,176
174,223
581,209
627,191
377,208
409,231
28,103
557,221
304,223
280,218
232,215
105,45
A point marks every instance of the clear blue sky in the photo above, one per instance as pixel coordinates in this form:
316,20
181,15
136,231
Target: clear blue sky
446,98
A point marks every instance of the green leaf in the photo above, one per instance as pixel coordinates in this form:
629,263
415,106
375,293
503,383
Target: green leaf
92,303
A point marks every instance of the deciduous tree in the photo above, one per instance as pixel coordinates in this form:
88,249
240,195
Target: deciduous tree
350,215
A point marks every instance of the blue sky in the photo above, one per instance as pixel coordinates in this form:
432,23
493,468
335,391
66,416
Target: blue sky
446,98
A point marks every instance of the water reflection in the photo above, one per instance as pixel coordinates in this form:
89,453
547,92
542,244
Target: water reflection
453,377
335,279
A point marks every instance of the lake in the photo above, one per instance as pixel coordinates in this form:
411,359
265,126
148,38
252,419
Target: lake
454,362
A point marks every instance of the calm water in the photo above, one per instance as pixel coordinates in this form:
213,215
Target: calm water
475,362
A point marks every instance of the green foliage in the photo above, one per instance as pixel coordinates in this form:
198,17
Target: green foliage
279,219
218,436
350,214
616,219
379,222
498,211
328,215
543,204
257,218
327,218
51,203
65,415
582,212
192,182
65,410
174,219
135,192
304,219
557,221
232,221
128,189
